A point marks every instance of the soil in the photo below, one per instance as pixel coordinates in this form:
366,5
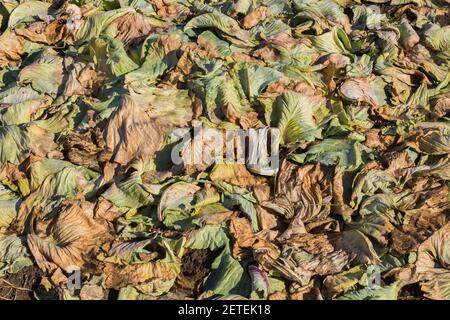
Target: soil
196,265
411,292
20,285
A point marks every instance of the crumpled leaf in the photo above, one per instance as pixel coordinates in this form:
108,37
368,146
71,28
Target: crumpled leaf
210,237
236,196
48,67
13,254
431,139
22,12
116,119
227,276
297,116
305,190
17,141
75,235
383,293
358,90
178,195
222,23
129,131
432,265
347,154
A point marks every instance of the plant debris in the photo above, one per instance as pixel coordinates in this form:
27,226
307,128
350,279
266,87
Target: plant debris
102,196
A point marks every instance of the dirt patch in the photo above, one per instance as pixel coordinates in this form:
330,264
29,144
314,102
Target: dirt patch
20,285
411,292
196,265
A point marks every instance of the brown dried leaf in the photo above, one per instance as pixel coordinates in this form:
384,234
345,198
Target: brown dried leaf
131,133
245,240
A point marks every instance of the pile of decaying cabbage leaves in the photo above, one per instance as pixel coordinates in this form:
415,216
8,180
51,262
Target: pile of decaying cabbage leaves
91,90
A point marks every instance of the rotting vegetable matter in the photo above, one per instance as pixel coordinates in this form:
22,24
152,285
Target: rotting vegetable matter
93,92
